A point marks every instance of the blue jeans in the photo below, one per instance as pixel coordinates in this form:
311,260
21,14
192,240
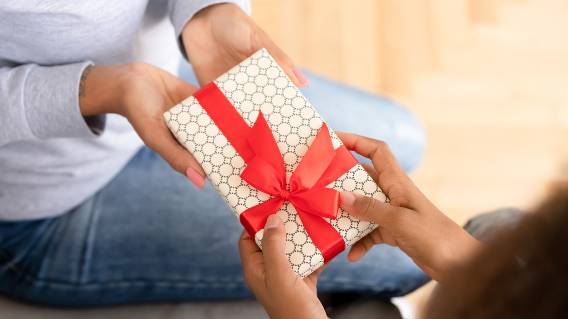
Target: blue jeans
150,236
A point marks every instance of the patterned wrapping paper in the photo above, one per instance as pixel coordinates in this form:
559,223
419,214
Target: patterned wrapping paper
258,83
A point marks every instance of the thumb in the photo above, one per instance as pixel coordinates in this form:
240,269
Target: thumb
369,209
274,249
178,89
183,90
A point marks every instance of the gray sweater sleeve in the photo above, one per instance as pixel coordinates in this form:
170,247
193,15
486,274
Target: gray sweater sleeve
181,11
40,102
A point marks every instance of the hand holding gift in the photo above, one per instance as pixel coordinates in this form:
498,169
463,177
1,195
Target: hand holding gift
140,92
215,39
410,222
269,275
221,36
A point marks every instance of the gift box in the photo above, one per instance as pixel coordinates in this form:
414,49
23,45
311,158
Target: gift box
266,150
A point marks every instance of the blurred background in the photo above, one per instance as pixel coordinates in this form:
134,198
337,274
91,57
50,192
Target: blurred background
487,78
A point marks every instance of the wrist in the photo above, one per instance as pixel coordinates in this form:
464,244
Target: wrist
200,24
456,253
100,90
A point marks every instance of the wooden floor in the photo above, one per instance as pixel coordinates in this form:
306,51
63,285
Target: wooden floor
495,112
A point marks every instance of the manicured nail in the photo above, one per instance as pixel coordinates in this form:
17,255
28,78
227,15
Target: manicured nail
301,78
347,199
195,178
273,221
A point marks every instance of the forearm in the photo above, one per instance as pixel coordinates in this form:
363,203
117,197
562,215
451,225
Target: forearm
454,253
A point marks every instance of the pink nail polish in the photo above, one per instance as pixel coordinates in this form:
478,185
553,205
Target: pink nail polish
347,199
273,221
195,178
301,78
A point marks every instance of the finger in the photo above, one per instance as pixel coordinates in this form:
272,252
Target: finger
163,142
360,248
378,151
276,262
371,171
369,209
251,257
388,238
313,277
183,90
285,62
182,160
247,245
248,250
179,89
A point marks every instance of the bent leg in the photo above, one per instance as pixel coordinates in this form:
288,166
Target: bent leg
148,236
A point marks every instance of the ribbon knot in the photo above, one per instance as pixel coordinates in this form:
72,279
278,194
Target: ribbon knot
284,194
306,189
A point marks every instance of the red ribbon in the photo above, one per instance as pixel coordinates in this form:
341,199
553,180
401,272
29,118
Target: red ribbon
265,171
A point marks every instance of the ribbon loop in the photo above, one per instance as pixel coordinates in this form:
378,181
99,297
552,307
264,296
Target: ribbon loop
315,161
263,176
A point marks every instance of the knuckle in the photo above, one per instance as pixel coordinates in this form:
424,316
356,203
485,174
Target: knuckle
399,218
397,196
365,205
270,237
381,145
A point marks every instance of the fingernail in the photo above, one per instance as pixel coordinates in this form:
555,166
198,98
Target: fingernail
347,199
195,178
301,78
273,221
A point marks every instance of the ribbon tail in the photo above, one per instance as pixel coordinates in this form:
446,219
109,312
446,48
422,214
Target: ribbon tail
254,218
226,117
325,237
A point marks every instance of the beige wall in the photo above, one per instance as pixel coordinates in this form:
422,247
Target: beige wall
379,45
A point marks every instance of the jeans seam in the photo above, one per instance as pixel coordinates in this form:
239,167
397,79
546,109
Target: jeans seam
87,250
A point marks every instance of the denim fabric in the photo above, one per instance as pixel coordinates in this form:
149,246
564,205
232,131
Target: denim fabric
486,226
150,236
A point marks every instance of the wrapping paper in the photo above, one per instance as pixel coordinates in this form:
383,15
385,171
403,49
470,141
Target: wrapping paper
259,84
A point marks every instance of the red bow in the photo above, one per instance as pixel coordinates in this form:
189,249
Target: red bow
265,171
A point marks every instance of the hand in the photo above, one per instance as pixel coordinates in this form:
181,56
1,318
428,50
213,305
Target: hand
221,36
410,221
271,278
141,93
